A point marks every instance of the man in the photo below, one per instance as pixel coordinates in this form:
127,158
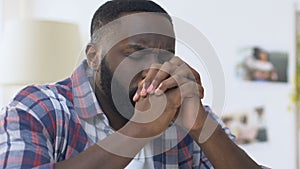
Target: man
130,104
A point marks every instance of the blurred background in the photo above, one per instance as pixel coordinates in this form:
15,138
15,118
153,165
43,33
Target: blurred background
42,41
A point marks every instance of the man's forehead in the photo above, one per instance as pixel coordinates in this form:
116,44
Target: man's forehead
141,23
145,22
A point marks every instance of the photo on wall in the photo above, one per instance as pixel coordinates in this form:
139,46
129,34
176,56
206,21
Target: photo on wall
259,65
248,126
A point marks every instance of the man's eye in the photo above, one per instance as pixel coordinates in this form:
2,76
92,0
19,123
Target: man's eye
127,53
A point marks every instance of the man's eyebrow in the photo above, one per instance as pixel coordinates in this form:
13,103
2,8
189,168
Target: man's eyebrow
138,47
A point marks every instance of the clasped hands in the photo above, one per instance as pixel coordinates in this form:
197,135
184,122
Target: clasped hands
171,91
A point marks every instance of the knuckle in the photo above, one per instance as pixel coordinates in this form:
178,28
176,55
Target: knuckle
176,60
197,76
160,76
167,67
163,73
167,64
177,78
191,87
155,66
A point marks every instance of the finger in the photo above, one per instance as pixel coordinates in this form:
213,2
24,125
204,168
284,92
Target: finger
185,71
179,62
167,69
176,61
164,73
138,91
171,82
181,75
191,89
182,65
196,75
154,68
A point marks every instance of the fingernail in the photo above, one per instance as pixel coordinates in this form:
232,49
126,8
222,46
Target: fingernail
150,88
143,92
158,92
135,97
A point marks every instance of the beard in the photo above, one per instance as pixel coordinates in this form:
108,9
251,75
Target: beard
116,93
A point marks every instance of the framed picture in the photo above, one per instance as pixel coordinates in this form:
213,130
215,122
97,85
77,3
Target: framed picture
260,65
249,126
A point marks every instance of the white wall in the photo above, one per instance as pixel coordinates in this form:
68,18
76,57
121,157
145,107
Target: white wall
1,30
229,25
232,24
1,16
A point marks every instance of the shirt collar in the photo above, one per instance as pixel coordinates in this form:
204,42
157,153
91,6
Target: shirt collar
84,99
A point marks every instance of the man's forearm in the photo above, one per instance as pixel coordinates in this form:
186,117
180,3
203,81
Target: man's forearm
114,152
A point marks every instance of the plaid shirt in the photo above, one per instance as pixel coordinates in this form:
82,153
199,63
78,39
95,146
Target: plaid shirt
50,123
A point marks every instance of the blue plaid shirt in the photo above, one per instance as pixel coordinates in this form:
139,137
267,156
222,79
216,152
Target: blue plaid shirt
46,124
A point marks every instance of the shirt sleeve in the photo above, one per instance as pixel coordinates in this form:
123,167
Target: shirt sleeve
25,142
220,122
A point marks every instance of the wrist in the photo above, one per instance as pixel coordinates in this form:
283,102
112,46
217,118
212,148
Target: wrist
139,131
204,128
123,143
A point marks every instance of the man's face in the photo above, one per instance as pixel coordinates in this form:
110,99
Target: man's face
126,63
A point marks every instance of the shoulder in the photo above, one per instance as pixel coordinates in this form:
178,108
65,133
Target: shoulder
35,94
45,103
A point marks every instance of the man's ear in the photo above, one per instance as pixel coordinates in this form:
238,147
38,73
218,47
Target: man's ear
93,56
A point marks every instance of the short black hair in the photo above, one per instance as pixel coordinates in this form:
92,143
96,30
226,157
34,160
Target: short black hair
112,9
257,51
